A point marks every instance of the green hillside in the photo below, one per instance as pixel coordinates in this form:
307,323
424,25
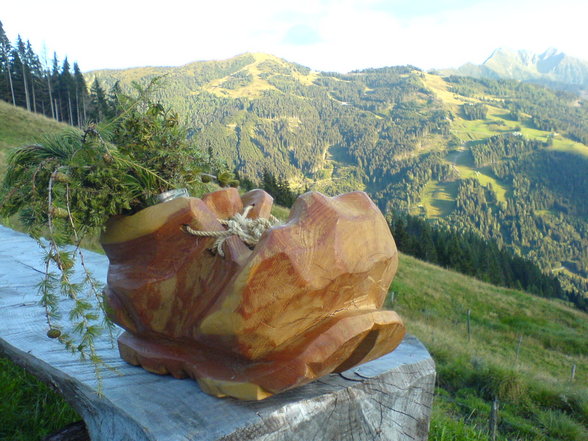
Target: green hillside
505,159
537,399
19,127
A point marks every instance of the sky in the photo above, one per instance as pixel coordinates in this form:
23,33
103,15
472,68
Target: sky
327,35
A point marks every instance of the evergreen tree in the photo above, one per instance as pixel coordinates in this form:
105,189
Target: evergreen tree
99,108
7,91
65,86
54,80
21,56
278,188
473,255
81,93
18,81
35,74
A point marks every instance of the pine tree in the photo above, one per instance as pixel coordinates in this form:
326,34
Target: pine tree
17,69
81,93
399,232
21,51
65,86
5,65
269,183
35,73
98,102
54,79
29,83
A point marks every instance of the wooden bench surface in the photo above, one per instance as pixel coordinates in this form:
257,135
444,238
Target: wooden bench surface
388,398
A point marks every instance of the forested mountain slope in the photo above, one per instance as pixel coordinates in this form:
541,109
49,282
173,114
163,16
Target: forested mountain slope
505,159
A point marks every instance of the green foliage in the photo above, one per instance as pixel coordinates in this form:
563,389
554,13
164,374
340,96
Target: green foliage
101,107
237,80
498,148
473,111
278,188
152,136
445,428
68,185
549,110
227,179
559,425
107,170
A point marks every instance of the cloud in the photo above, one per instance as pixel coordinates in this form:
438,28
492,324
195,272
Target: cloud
301,35
355,36
323,34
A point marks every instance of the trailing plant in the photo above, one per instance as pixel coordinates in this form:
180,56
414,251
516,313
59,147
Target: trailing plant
67,186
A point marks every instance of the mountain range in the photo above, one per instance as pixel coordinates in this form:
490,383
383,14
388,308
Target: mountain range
551,68
504,159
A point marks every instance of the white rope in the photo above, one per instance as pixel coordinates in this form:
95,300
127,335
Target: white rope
248,230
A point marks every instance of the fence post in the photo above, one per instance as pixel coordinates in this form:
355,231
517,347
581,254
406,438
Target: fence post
493,419
518,349
392,296
469,327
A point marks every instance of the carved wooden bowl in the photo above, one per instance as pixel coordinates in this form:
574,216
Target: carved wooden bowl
304,302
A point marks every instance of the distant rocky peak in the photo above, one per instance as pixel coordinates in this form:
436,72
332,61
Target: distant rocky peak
552,52
549,60
552,68
528,58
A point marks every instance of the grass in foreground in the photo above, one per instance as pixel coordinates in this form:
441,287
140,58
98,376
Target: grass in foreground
18,127
29,410
537,399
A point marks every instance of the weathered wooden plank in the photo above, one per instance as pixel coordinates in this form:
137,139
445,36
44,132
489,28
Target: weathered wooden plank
73,432
388,398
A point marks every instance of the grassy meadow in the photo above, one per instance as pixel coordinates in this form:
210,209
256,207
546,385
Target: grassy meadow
18,127
531,380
